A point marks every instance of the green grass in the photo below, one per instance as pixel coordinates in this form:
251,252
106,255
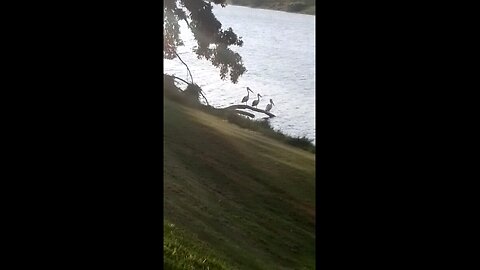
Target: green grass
264,127
184,251
249,198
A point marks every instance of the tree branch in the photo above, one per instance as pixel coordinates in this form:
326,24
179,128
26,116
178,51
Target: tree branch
179,79
185,65
201,92
188,24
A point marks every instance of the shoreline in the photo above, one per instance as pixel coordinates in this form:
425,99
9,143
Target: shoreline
303,12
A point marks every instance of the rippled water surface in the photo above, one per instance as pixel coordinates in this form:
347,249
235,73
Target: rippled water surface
279,54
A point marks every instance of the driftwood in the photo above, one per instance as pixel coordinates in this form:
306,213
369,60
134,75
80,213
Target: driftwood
235,107
251,115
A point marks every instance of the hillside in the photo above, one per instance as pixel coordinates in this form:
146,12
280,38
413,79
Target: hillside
242,200
299,6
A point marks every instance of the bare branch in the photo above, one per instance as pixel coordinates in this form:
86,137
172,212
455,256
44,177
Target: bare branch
201,92
188,24
180,79
185,65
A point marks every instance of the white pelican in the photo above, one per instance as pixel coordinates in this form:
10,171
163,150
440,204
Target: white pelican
245,98
255,102
269,106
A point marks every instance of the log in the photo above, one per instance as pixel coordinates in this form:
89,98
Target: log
251,115
235,107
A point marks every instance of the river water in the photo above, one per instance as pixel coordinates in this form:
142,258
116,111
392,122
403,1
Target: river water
279,54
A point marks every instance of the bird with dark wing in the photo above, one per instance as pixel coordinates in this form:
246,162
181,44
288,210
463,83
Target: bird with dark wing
269,106
255,102
245,98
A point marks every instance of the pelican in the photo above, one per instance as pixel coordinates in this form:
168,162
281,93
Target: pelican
269,106
245,98
255,102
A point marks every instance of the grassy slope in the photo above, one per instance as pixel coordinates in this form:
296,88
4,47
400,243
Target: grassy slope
249,198
185,251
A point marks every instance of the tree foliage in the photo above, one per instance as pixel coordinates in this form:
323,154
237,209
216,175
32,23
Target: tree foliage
213,42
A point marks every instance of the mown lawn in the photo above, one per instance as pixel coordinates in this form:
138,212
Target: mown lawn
184,251
249,198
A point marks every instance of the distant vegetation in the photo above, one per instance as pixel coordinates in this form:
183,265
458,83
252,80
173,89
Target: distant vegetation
300,6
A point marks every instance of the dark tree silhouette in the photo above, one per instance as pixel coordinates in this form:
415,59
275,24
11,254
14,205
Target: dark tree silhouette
212,41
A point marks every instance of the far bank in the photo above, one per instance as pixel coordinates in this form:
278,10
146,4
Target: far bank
294,6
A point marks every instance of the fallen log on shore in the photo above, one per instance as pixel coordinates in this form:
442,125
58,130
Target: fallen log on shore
236,107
